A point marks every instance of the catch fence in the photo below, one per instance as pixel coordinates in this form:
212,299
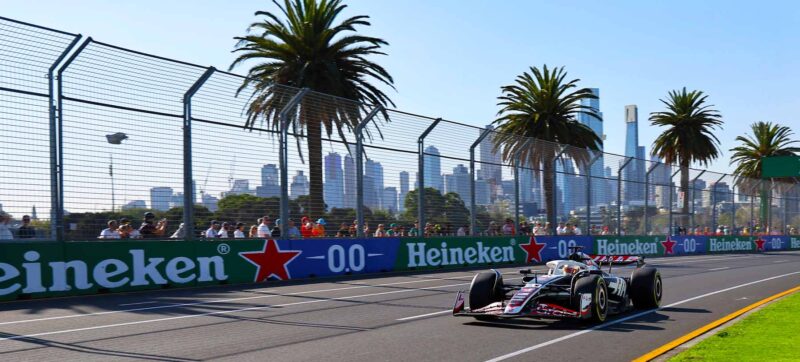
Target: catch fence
91,132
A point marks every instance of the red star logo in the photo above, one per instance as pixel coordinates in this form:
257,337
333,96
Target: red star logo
760,243
533,250
270,261
669,245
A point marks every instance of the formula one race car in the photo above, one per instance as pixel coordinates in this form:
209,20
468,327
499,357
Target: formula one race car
575,288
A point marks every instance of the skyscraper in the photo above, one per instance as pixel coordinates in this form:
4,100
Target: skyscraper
349,181
597,126
631,190
433,169
160,198
390,199
458,182
299,185
270,182
373,191
403,190
333,188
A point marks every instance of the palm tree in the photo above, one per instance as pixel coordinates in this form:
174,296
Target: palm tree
542,106
690,134
768,139
309,49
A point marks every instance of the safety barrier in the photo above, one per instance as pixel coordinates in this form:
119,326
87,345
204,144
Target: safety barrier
51,269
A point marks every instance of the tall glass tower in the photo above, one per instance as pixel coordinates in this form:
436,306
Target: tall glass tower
633,191
596,124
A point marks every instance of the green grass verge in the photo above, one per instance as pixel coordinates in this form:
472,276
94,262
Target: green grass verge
770,334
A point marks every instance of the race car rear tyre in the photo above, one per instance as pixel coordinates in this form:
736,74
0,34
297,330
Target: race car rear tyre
486,288
646,288
596,286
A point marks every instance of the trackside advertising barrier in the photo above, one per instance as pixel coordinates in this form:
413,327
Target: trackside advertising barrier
48,269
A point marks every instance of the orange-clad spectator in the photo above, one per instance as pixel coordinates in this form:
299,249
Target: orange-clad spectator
306,227
318,230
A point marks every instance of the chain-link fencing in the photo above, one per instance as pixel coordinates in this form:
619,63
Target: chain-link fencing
97,137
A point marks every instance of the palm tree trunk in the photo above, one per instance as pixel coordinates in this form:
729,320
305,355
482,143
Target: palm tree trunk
549,194
316,207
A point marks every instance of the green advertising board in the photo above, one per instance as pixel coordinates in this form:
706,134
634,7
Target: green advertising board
794,242
629,245
731,244
780,166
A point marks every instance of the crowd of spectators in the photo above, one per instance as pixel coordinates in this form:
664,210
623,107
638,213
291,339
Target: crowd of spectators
123,229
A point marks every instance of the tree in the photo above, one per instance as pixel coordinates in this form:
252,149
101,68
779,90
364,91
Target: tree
689,136
439,209
308,49
768,139
543,107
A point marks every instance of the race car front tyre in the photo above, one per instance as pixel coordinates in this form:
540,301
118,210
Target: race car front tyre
596,286
486,288
646,288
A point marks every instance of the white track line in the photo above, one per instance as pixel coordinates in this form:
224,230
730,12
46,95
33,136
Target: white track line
637,315
424,315
314,301
721,268
176,305
137,303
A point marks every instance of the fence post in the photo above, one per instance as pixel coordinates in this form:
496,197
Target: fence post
714,205
589,192
554,205
54,150
59,169
472,201
188,184
733,202
671,231
421,177
753,206
619,194
647,197
283,158
516,188
693,190
360,170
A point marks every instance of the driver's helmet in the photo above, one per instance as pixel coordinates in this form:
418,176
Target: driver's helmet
570,269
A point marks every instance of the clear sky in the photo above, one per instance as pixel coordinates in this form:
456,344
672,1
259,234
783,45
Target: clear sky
449,58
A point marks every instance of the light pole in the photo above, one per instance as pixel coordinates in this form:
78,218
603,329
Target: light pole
114,139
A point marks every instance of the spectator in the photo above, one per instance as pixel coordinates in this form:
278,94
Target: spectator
253,232
180,233
524,228
462,231
265,227
576,230
213,230
366,228
239,232
561,229
605,231
225,231
111,232
319,228
508,228
428,229
394,230
380,232
401,232
126,231
344,231
492,230
276,230
26,231
414,231
353,229
150,229
548,230
306,227
293,232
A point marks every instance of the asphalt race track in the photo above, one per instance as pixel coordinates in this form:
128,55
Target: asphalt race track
397,317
